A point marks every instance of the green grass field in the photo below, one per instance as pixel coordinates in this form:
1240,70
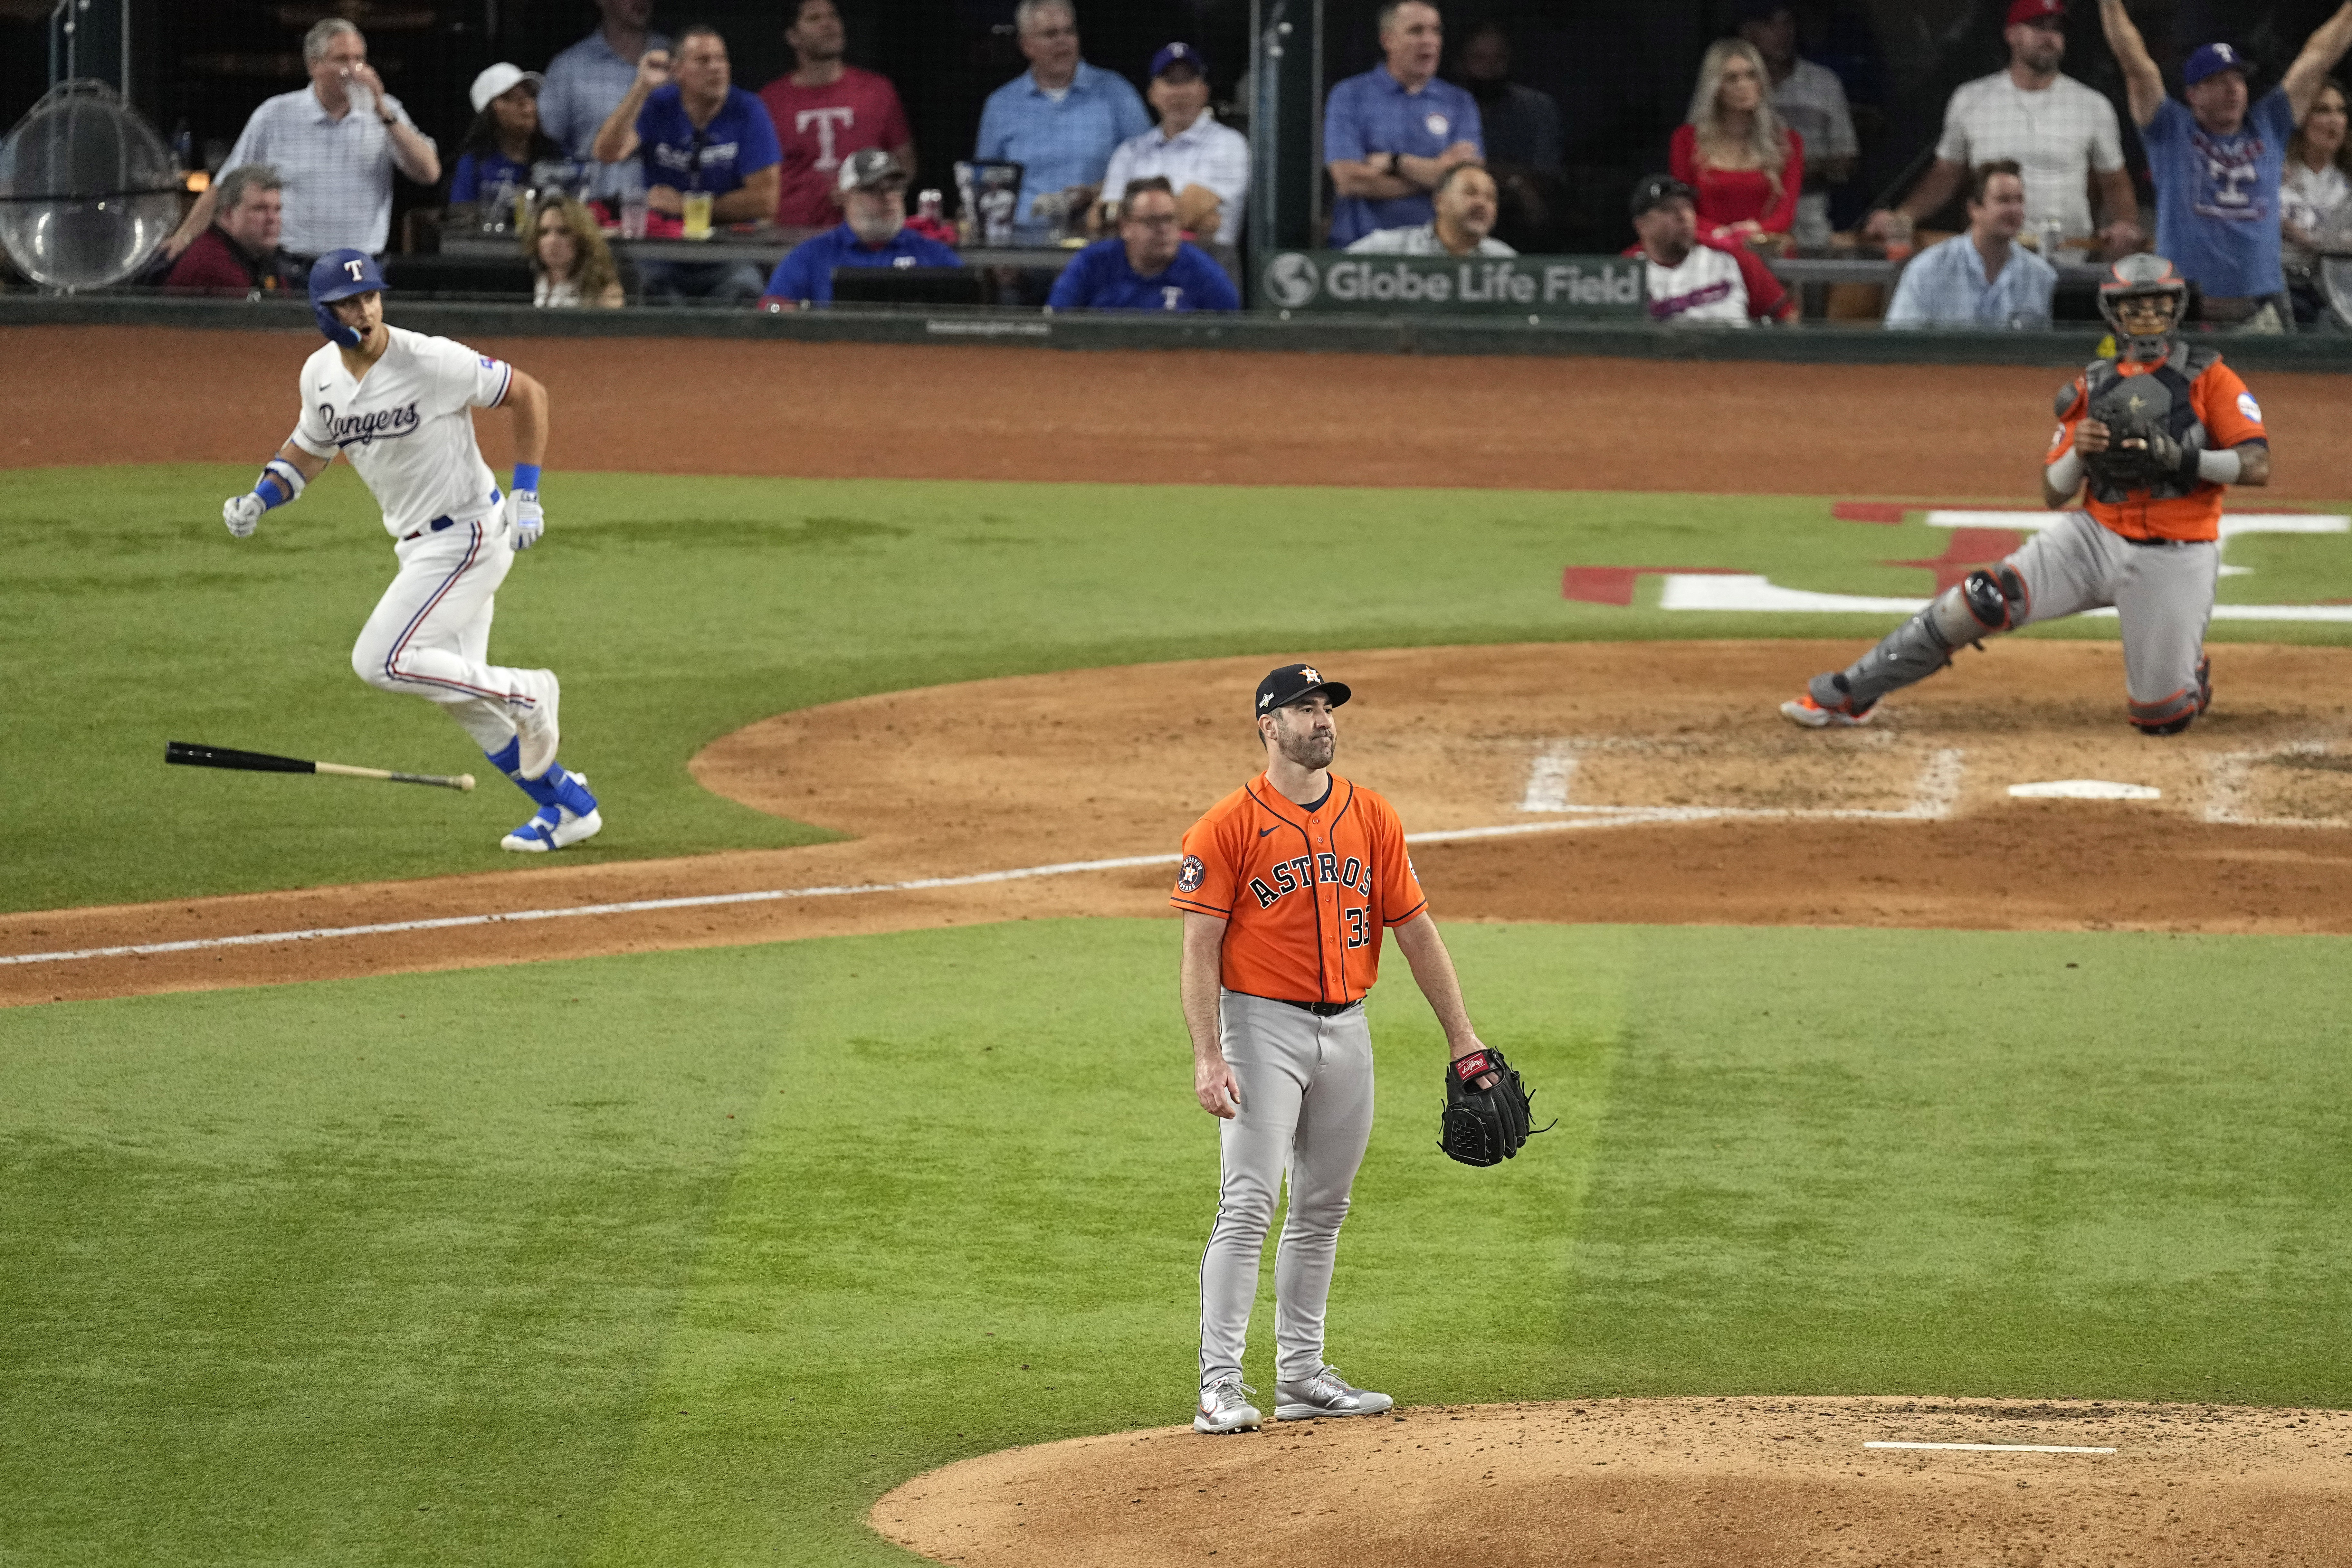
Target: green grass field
677,610
689,1256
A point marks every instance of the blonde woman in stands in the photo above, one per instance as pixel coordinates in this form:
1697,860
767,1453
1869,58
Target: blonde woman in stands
570,263
1735,151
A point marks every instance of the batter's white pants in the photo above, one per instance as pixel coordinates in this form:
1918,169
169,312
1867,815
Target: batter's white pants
1307,1111
430,634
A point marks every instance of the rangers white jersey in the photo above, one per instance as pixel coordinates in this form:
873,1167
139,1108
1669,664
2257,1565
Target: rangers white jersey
407,426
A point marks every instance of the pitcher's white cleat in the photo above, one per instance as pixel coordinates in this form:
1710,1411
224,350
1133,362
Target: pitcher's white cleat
1325,1393
1223,1408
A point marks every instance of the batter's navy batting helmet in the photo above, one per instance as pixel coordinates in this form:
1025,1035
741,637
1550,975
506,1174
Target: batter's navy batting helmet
339,275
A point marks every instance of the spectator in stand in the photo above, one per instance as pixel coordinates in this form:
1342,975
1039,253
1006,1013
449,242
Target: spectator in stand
1688,278
571,265
1148,267
825,110
699,133
1060,120
238,254
586,81
1745,166
2217,164
1389,135
872,187
1465,201
1208,163
335,144
1981,278
2312,197
2061,132
1520,125
1811,101
505,139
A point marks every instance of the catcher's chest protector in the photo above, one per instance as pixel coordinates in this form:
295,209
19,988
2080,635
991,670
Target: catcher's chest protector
2154,400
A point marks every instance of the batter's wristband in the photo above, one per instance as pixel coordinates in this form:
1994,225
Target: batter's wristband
280,482
526,478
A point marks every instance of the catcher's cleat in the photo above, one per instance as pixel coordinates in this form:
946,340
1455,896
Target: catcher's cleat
561,825
1814,716
1222,1408
1326,1393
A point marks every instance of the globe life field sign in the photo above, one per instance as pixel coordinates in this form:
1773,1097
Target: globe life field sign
1592,286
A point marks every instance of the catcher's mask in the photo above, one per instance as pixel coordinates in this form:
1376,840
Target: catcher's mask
2143,277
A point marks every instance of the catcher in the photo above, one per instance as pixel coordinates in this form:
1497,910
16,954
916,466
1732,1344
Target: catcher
2157,434
1287,886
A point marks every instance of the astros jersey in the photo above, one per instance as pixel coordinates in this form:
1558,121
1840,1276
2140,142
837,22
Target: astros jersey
2213,398
1306,892
407,426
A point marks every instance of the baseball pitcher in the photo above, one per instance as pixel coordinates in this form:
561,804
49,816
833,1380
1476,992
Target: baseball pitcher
1287,884
400,406
2157,434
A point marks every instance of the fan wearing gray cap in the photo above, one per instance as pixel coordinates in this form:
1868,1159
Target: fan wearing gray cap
2216,162
1687,280
874,233
505,139
1287,887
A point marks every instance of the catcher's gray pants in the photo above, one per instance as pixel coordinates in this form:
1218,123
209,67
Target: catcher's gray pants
2163,593
1307,1108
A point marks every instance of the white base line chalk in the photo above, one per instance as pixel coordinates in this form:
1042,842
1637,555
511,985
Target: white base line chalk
1995,1447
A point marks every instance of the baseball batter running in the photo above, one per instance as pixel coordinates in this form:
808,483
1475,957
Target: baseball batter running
1287,884
399,405
2157,434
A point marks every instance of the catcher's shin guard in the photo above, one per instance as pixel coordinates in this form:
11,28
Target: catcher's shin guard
1987,602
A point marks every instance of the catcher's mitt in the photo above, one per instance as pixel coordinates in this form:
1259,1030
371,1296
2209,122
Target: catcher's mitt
1484,1126
2138,457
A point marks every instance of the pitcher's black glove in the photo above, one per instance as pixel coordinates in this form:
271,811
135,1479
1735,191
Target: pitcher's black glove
1484,1126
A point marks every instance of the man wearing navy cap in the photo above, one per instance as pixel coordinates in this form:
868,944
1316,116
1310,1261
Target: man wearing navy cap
1149,266
872,190
1207,164
2216,162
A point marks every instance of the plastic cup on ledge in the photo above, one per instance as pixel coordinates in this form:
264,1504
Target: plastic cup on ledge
1898,237
698,215
633,217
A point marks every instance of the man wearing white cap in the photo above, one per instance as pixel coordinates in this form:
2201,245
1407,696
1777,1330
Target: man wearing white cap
872,191
505,139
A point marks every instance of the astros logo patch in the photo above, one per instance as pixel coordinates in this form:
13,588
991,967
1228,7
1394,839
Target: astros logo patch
1189,876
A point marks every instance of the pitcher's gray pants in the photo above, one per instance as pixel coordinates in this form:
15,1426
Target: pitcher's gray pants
1306,1110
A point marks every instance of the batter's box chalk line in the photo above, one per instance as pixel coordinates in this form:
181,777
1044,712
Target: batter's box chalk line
2229,786
1994,1447
1934,793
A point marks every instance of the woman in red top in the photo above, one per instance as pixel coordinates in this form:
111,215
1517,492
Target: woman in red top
1734,151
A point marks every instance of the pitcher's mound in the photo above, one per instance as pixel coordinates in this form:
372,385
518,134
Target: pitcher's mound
1662,1483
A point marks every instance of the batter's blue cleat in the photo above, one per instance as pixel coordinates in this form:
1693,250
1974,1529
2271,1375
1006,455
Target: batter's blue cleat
570,818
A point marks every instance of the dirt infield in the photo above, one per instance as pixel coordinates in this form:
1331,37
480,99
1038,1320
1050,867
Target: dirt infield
1673,1483
859,411
1562,781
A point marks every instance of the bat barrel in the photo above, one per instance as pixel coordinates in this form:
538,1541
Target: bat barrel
188,754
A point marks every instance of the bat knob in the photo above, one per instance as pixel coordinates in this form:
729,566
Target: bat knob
465,780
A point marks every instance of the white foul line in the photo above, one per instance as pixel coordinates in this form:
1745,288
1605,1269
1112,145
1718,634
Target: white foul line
1995,1447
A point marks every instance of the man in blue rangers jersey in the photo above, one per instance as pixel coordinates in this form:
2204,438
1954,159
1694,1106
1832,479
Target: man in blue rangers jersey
399,405
874,233
1148,265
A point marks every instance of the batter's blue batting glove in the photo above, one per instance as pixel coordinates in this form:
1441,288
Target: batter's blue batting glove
524,520
242,513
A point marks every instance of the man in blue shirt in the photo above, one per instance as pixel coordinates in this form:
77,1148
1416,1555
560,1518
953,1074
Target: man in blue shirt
1982,278
1149,266
1060,121
873,192
2216,164
1391,133
700,133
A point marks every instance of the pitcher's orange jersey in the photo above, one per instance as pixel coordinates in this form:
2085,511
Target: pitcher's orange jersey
1305,893
2230,416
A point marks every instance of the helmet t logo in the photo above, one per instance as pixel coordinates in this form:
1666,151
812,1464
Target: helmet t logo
354,268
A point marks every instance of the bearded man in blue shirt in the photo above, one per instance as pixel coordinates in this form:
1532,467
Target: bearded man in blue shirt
873,194
1149,266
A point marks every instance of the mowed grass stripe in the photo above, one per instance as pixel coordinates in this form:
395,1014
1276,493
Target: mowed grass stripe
694,1266
679,608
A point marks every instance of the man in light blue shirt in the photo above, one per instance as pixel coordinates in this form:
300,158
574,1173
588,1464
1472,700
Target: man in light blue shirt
587,81
1982,278
1060,120
1390,135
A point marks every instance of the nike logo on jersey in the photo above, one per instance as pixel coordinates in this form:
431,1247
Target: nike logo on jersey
1264,831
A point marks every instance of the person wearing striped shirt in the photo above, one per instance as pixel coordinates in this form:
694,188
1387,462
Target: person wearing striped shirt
334,144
